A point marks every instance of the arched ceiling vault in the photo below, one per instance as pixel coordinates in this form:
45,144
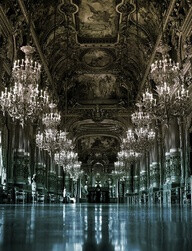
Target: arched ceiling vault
97,53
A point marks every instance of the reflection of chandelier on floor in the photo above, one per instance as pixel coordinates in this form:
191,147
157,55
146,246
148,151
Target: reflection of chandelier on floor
25,100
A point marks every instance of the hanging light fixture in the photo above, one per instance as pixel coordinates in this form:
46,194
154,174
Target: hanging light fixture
25,100
53,140
170,102
140,117
165,70
182,102
65,158
145,138
53,118
172,94
26,71
75,170
119,169
128,156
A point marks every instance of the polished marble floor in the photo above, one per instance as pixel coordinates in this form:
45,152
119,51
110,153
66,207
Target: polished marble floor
95,227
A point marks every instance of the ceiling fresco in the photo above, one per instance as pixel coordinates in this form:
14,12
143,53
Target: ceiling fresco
97,19
97,89
98,58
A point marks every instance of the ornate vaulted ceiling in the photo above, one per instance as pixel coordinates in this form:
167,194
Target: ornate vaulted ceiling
96,56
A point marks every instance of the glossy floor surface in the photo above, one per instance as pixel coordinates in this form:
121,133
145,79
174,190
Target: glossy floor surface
95,227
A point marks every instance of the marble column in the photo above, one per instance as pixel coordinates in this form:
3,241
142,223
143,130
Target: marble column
154,167
39,170
52,178
60,181
167,156
79,188
67,182
136,177
19,166
8,140
128,182
40,176
175,155
5,150
143,174
161,153
27,167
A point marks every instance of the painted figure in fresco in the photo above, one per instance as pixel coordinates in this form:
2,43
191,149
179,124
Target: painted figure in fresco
99,15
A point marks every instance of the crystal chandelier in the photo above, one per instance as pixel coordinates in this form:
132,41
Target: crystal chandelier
65,158
128,156
24,103
52,140
119,165
118,173
139,140
26,71
119,169
53,118
75,170
165,70
172,94
130,141
140,117
146,138
182,102
25,100
149,103
170,101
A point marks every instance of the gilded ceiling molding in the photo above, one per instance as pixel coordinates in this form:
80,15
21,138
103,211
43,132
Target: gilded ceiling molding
7,33
5,24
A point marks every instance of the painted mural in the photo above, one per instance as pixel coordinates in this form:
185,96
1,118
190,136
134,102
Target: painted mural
100,142
97,58
98,86
97,19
